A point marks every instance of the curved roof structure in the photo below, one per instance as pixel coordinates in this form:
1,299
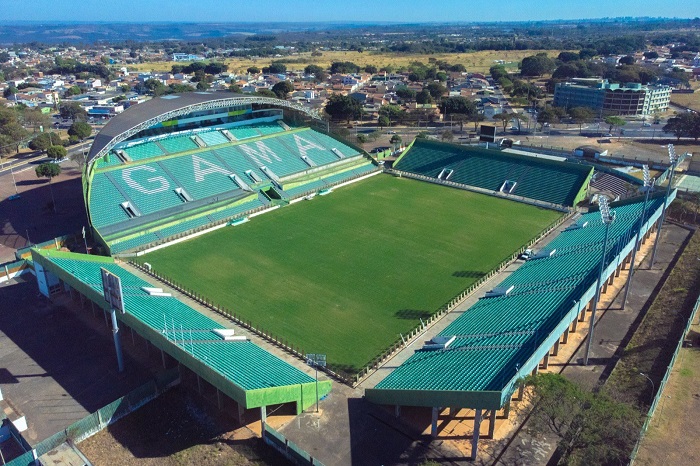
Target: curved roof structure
160,109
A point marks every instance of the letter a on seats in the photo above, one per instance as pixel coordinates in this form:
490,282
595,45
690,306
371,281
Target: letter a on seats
199,172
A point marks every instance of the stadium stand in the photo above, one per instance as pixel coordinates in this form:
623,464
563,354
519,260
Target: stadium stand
172,183
176,144
213,138
240,369
146,150
610,183
535,178
498,339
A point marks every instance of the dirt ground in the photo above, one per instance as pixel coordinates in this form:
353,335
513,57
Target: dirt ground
668,440
688,100
178,429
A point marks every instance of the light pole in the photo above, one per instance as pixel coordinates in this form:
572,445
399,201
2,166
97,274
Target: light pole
648,187
608,217
652,386
13,178
673,159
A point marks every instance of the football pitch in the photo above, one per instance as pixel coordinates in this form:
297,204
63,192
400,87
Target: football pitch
345,274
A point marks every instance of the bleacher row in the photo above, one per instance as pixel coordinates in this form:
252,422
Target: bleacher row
243,363
184,142
329,181
543,180
497,335
162,234
610,183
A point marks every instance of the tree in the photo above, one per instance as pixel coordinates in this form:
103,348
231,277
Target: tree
504,118
35,118
319,73
519,118
568,56
343,107
547,115
476,118
370,69
49,170
80,129
393,112
361,138
282,88
684,125
73,111
581,115
266,93
537,65
627,60
422,135
234,88
383,121
43,141
591,428
275,68
12,131
56,152
460,105
651,55
424,97
9,92
405,93
436,90
615,121
344,67
395,140
253,70
73,90
447,135
215,68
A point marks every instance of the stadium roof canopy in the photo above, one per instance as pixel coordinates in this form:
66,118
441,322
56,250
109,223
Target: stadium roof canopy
159,109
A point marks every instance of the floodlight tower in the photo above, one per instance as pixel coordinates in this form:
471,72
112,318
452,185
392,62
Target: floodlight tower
673,159
648,187
607,217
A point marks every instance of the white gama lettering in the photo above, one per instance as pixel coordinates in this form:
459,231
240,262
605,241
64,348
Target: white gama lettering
263,152
304,145
199,172
161,182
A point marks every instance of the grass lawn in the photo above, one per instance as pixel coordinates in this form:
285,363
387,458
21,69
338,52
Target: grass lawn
479,62
344,274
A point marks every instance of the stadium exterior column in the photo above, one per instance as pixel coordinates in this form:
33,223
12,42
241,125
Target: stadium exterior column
555,348
506,410
453,411
545,361
521,394
536,370
434,421
574,324
397,411
117,340
475,436
492,423
162,357
565,336
218,398
582,316
241,413
263,415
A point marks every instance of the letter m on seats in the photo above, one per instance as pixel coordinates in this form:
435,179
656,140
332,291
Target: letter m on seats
261,153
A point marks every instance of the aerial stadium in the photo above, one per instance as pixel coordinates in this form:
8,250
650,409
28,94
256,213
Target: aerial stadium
253,208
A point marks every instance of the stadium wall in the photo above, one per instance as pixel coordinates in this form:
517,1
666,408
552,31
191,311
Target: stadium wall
584,189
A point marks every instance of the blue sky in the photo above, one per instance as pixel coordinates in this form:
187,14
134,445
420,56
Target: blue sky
334,10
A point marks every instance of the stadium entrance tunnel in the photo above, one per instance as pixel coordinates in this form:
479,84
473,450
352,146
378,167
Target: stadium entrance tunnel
474,375
240,377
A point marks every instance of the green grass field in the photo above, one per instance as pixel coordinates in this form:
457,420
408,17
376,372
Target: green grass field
344,274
